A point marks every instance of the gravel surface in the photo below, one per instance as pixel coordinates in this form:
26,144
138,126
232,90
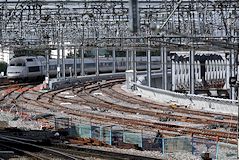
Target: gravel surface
224,153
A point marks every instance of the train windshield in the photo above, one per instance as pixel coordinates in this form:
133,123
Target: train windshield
29,60
17,62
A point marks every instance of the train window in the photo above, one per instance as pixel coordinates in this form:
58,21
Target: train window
29,60
20,64
110,64
34,69
17,62
89,65
141,63
68,65
52,67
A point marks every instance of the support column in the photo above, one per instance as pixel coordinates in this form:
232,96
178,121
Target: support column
127,60
114,60
47,66
191,75
63,62
58,62
164,66
82,62
134,67
131,60
232,73
75,62
97,62
227,72
173,74
149,65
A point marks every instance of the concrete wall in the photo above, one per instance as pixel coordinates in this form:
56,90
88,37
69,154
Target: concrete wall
156,80
192,101
55,84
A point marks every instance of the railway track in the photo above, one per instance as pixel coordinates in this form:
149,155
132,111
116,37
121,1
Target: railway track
63,151
90,88
86,98
10,89
166,113
137,100
33,150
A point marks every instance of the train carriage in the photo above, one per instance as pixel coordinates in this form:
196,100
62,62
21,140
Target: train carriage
35,67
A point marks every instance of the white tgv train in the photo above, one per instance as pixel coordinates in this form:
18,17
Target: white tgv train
33,67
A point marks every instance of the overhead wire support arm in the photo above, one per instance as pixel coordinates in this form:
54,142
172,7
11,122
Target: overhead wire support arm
178,4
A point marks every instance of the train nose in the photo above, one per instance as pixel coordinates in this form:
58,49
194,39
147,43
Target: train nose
14,72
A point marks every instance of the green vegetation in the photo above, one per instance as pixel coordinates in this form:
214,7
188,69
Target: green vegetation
3,67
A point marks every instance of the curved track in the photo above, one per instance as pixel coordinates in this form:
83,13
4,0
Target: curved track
87,95
52,100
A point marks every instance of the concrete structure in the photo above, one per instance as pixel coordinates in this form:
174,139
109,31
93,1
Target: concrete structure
5,54
189,100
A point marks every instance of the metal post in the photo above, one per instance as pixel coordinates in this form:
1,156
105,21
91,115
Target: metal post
55,123
232,73
110,136
101,134
163,145
114,60
164,66
82,62
173,74
47,66
58,62
134,67
127,60
227,73
131,60
63,55
90,131
75,62
192,143
63,61
149,65
97,62
70,71
191,75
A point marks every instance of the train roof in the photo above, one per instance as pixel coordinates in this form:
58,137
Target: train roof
28,57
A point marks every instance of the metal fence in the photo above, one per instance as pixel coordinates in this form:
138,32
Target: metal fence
226,151
200,146
118,136
102,133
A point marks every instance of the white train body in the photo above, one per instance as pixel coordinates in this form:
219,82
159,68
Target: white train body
35,67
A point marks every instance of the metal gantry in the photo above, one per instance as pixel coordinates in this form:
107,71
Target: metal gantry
164,25
190,23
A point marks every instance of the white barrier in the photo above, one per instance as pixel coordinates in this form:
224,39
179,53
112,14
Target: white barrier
192,101
215,70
